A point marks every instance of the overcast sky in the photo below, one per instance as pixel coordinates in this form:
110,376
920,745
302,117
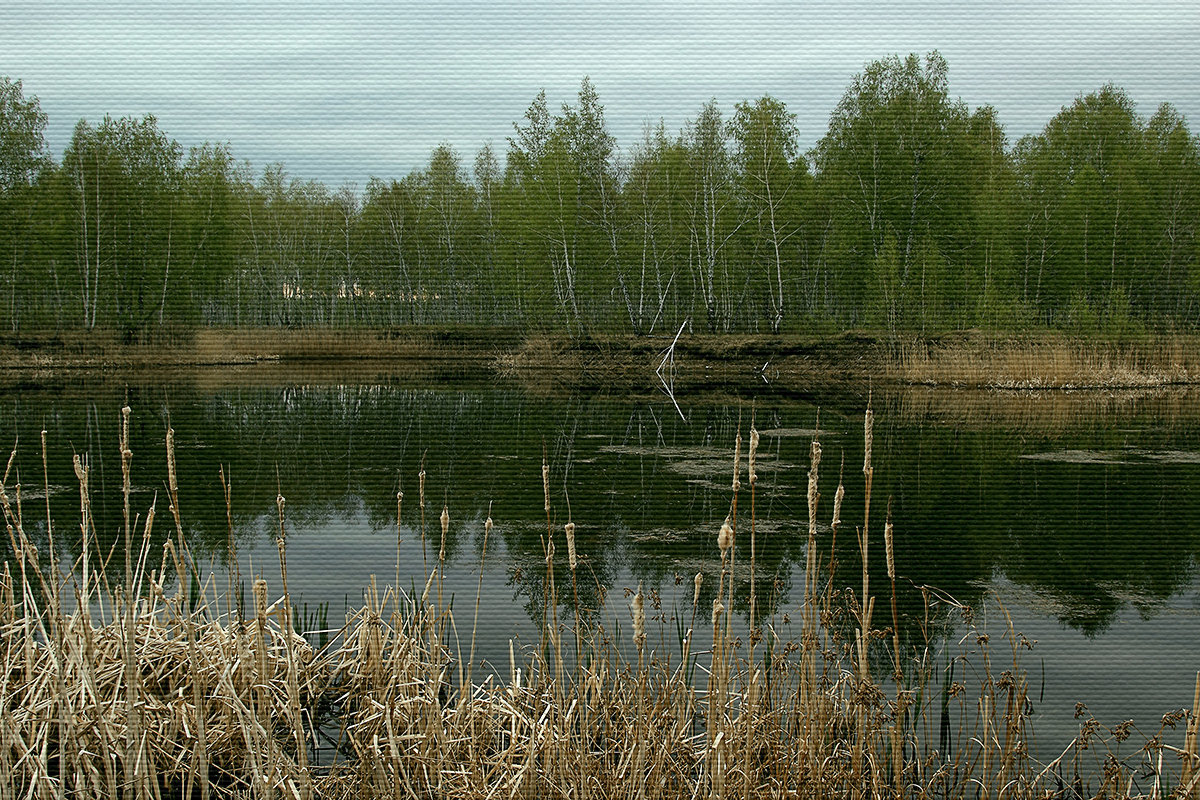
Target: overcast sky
341,94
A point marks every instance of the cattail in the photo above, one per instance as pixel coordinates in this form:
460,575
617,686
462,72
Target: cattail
569,528
445,530
546,483
125,453
837,505
550,554
699,581
639,618
725,537
487,526
172,482
718,607
868,425
750,456
737,462
887,542
260,599
813,494
279,503
421,491
428,586
80,473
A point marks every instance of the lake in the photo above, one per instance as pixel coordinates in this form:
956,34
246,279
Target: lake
1078,514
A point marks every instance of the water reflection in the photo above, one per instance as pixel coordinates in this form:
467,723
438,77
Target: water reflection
1087,501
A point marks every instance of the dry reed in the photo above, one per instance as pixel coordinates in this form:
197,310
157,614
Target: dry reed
140,692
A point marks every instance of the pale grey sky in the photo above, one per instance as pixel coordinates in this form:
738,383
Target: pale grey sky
341,93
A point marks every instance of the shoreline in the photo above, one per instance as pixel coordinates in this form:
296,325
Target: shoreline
1043,361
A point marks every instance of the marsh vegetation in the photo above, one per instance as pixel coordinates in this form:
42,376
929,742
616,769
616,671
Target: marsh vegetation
157,679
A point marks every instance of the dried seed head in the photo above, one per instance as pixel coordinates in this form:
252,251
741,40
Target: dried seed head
639,618
546,483
260,599
737,463
125,412
445,530
550,554
172,480
813,495
421,488
725,537
428,586
718,607
887,542
837,505
570,531
868,426
487,526
750,456
699,581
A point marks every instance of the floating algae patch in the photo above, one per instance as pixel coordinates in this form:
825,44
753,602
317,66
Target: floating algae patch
789,433
704,468
1113,457
1078,457
667,452
1170,456
661,535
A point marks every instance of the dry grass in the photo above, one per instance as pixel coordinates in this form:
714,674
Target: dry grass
139,691
241,346
1050,361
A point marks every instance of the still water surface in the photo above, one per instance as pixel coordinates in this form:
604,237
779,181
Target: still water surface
1079,514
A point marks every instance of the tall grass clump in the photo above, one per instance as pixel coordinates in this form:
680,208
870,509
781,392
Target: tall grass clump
163,687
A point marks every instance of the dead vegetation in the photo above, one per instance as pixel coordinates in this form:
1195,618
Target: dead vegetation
143,690
1049,361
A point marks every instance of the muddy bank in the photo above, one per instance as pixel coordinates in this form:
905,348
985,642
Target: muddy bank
695,362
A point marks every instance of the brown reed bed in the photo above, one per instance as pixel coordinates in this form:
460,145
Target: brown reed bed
1049,361
162,687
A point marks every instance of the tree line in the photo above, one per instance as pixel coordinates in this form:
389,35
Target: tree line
912,213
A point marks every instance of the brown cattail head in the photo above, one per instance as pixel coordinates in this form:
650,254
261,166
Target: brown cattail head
445,530
737,463
125,412
487,526
550,554
699,581
172,481
260,599
546,483
750,455
887,541
569,528
813,494
725,537
868,427
280,500
639,618
81,474
718,607
421,490
837,505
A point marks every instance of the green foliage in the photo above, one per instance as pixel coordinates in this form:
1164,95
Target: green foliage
22,158
912,213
